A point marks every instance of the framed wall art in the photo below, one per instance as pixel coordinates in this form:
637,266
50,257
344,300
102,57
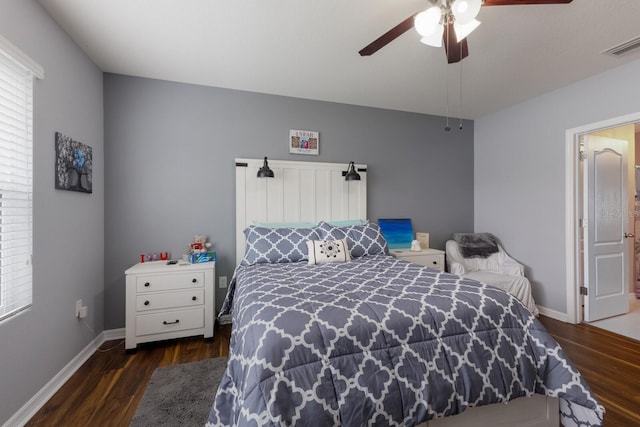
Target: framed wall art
74,165
397,231
304,142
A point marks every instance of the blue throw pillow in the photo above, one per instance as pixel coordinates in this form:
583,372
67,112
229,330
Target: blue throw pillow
276,245
362,240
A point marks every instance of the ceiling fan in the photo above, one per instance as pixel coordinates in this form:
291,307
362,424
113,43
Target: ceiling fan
448,22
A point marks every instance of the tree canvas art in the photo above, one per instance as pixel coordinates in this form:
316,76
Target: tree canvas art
74,165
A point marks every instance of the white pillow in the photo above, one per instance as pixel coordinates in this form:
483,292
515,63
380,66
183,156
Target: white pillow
323,251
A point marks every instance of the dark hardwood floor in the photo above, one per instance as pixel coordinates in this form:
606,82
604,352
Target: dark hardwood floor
106,390
609,362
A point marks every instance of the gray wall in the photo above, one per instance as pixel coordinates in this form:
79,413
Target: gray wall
68,227
520,171
170,151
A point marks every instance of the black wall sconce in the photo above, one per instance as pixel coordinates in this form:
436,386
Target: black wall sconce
351,174
266,172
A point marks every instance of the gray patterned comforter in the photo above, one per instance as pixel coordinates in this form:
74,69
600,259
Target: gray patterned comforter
379,341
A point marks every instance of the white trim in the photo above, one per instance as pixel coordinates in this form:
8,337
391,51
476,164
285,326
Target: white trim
22,58
34,404
553,314
572,264
574,314
114,334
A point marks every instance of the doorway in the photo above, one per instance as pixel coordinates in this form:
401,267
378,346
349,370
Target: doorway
574,245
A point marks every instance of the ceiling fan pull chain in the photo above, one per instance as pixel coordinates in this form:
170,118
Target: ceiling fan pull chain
460,127
447,128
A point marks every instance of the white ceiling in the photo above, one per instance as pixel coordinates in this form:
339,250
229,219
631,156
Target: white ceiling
309,48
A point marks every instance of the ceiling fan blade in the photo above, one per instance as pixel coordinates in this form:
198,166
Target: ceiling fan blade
388,37
455,51
520,2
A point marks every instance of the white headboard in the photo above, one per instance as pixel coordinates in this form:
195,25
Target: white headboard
299,192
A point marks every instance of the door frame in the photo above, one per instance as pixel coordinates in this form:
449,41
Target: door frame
572,213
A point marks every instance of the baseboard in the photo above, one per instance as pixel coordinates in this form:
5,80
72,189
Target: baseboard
34,404
553,314
114,334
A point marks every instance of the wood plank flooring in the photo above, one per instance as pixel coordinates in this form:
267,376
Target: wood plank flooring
609,362
106,390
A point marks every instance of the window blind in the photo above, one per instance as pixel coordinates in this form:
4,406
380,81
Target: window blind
16,186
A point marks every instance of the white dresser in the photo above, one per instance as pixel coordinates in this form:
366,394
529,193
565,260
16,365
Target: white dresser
429,257
169,301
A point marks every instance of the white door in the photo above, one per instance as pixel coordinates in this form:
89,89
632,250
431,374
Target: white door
606,258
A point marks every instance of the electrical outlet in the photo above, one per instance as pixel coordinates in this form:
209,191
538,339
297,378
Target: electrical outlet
78,308
222,282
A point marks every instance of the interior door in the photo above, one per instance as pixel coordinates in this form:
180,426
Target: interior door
606,273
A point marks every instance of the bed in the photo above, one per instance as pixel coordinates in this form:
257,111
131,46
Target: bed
374,340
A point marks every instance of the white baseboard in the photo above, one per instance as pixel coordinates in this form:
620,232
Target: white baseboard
34,404
553,314
114,334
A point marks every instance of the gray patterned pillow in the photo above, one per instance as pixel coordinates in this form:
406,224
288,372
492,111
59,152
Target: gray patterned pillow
276,245
362,240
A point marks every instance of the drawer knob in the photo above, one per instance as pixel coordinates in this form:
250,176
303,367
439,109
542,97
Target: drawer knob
194,280
194,298
171,323
146,303
435,262
147,284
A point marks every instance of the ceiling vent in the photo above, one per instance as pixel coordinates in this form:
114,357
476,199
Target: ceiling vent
623,48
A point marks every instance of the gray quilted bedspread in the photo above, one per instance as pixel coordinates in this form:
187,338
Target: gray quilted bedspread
378,341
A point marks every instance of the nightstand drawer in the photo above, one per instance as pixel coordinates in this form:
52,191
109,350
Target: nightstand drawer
158,323
166,282
155,301
432,258
433,261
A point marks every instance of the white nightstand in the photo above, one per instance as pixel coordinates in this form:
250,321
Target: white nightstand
433,258
169,301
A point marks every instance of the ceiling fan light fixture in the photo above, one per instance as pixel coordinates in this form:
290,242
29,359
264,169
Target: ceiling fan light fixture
434,39
427,22
463,30
465,11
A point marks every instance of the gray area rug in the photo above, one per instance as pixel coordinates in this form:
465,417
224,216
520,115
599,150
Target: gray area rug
180,395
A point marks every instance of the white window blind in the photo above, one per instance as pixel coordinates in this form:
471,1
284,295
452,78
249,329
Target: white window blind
16,183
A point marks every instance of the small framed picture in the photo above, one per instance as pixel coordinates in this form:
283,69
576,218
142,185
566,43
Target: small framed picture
423,239
74,165
304,142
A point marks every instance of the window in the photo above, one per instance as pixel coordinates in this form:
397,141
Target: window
16,182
